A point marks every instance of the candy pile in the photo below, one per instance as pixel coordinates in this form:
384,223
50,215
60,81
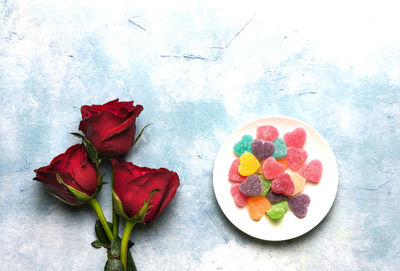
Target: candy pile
271,173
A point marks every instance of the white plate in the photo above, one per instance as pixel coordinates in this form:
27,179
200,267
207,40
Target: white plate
322,195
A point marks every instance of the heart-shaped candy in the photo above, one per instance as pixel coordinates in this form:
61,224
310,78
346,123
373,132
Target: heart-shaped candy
267,132
283,185
299,205
238,197
295,139
252,186
278,210
266,185
312,171
280,148
298,181
275,198
272,169
257,206
295,158
248,164
234,175
244,145
262,149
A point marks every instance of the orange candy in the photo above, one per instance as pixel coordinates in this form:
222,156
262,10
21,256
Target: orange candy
283,162
257,207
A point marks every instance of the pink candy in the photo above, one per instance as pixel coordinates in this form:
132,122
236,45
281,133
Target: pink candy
295,158
238,197
272,168
312,171
295,139
283,185
234,175
267,133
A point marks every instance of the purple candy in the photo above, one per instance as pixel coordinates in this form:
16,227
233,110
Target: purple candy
252,186
262,149
275,197
299,204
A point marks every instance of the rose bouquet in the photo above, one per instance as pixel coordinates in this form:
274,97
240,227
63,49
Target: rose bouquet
139,194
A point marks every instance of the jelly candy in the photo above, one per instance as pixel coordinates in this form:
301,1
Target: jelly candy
266,185
234,175
252,186
280,148
283,185
312,171
298,182
238,197
278,210
295,139
262,149
283,162
248,164
244,145
259,170
257,206
295,158
275,198
267,132
272,169
299,205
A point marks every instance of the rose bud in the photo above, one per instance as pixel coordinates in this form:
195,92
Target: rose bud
71,177
140,193
110,127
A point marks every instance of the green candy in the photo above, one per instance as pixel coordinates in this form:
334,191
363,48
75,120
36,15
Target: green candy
278,210
280,148
244,145
266,185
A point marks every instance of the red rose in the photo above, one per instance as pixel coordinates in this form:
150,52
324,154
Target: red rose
132,186
110,127
70,175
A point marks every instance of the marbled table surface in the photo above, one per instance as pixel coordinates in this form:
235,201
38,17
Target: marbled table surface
201,69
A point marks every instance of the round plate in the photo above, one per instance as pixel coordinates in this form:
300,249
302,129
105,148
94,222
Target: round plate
322,194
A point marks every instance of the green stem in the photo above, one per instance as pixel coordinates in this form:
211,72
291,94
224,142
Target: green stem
125,239
96,206
115,222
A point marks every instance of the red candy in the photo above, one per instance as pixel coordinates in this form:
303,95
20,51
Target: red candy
312,171
295,158
267,133
283,185
295,139
238,197
234,175
272,169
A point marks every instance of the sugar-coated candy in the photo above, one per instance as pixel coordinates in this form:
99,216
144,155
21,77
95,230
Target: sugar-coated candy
298,181
248,164
283,162
252,186
295,158
238,197
259,170
299,205
272,169
275,198
277,210
234,175
283,184
267,132
295,139
244,145
266,185
312,171
280,148
262,149
257,206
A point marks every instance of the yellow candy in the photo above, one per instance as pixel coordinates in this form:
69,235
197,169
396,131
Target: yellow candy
248,164
298,182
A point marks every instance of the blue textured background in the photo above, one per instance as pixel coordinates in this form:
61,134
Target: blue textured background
201,70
